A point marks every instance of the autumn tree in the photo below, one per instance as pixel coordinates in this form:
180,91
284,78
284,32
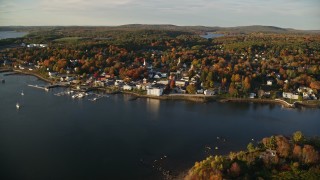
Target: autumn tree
246,84
315,85
233,90
191,89
172,84
309,155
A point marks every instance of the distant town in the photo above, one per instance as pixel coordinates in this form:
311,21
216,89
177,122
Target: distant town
163,61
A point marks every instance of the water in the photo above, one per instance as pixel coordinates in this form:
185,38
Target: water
211,35
11,34
53,137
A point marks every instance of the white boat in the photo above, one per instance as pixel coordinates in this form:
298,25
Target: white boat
18,106
22,94
46,89
74,96
81,95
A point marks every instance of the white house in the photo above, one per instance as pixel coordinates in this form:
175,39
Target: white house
164,82
200,91
180,83
164,75
127,87
252,95
209,92
156,76
155,91
118,82
269,82
51,74
290,95
305,89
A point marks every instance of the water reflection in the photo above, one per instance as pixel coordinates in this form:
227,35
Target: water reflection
153,106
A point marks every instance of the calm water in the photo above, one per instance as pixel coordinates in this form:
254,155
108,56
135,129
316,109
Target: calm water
11,34
53,137
211,35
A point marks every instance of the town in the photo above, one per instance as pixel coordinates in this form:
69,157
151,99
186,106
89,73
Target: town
151,62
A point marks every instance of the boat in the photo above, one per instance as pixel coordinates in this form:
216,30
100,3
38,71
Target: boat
18,106
74,96
81,95
46,89
22,94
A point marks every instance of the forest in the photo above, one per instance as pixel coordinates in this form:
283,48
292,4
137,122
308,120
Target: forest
275,157
242,61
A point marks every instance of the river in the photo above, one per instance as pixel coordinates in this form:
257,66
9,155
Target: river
11,34
211,35
57,137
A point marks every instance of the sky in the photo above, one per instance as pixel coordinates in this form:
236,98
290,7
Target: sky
298,14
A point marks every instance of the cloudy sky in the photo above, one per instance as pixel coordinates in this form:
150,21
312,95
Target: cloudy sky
299,14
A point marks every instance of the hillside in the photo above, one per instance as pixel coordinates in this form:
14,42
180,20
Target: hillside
197,29
275,157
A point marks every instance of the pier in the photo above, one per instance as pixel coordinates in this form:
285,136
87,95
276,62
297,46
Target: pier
48,87
39,87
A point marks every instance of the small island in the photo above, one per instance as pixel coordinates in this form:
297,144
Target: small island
275,157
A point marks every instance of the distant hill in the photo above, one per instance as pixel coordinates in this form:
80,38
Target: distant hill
197,29
238,29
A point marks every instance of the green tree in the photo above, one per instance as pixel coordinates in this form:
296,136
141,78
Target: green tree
250,147
298,137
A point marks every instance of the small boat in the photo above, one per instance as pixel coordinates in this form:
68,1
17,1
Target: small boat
18,106
22,94
81,95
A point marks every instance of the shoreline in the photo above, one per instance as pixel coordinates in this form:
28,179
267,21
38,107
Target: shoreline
33,74
186,97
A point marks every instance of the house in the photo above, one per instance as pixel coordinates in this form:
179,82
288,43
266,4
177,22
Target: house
305,95
155,91
252,95
305,89
98,84
180,83
52,74
164,82
289,95
144,80
118,82
157,76
164,75
208,92
269,82
127,87
268,154
200,91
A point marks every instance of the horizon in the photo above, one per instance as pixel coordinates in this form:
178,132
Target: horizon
257,25
229,13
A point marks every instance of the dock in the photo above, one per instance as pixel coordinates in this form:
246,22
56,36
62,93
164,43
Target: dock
37,86
48,87
98,96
